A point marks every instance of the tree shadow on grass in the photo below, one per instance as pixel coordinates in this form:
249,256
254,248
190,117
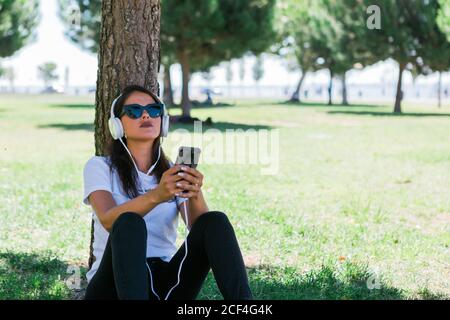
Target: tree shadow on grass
203,106
36,276
325,105
69,126
389,114
42,275
326,283
73,105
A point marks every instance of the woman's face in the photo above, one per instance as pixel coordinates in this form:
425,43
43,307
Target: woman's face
132,127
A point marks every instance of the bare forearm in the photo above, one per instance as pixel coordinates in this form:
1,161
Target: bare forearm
141,205
197,207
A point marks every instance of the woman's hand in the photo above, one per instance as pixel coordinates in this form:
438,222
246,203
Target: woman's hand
192,182
167,187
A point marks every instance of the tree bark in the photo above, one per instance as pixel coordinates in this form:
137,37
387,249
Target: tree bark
129,53
344,89
185,70
168,92
399,95
439,90
296,95
330,89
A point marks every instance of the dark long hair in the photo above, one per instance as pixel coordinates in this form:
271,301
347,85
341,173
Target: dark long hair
120,159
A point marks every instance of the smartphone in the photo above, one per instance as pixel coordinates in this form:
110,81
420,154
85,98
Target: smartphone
188,156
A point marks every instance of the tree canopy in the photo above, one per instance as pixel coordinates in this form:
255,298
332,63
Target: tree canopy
18,20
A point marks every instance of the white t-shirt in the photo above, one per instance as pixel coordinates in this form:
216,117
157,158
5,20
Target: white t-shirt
161,221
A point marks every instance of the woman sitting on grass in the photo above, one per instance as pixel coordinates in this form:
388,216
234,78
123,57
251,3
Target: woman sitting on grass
136,206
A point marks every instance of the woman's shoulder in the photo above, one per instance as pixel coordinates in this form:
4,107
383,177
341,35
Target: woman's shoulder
98,162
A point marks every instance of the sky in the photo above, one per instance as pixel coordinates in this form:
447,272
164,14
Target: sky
52,45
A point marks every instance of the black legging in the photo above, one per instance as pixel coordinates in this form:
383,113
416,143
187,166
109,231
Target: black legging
212,243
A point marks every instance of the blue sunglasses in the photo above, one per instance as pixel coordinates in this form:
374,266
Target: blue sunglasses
134,111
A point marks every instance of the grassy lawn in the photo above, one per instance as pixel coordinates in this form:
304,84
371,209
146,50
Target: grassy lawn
362,196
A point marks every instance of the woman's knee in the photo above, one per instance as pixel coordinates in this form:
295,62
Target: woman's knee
130,221
215,217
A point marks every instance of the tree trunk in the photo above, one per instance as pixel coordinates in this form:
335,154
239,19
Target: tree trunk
168,92
296,95
330,89
439,90
129,54
185,70
399,95
344,89
11,85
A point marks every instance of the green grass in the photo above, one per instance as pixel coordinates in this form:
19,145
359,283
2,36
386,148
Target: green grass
361,195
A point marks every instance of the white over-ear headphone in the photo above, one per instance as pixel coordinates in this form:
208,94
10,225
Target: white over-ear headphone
117,132
116,127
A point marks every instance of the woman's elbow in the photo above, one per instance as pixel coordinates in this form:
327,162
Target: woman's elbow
105,220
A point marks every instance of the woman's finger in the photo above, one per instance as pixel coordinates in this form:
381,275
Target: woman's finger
192,171
186,186
172,170
192,179
174,178
189,194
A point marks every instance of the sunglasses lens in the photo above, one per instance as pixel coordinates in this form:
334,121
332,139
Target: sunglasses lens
154,111
133,111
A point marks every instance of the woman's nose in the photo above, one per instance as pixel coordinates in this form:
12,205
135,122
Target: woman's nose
145,114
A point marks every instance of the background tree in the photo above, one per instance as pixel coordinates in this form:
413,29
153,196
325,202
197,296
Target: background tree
2,72
293,45
66,78
242,73
47,72
18,21
309,32
228,73
167,80
10,74
82,19
401,36
443,22
435,51
168,58
204,33
242,69
197,34
444,17
258,69
323,42
346,48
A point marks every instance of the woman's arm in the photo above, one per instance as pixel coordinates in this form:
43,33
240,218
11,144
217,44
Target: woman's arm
108,211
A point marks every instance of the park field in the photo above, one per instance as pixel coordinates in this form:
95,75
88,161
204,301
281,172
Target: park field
359,209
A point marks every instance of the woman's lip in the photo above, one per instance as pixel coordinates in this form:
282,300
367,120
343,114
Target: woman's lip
147,126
